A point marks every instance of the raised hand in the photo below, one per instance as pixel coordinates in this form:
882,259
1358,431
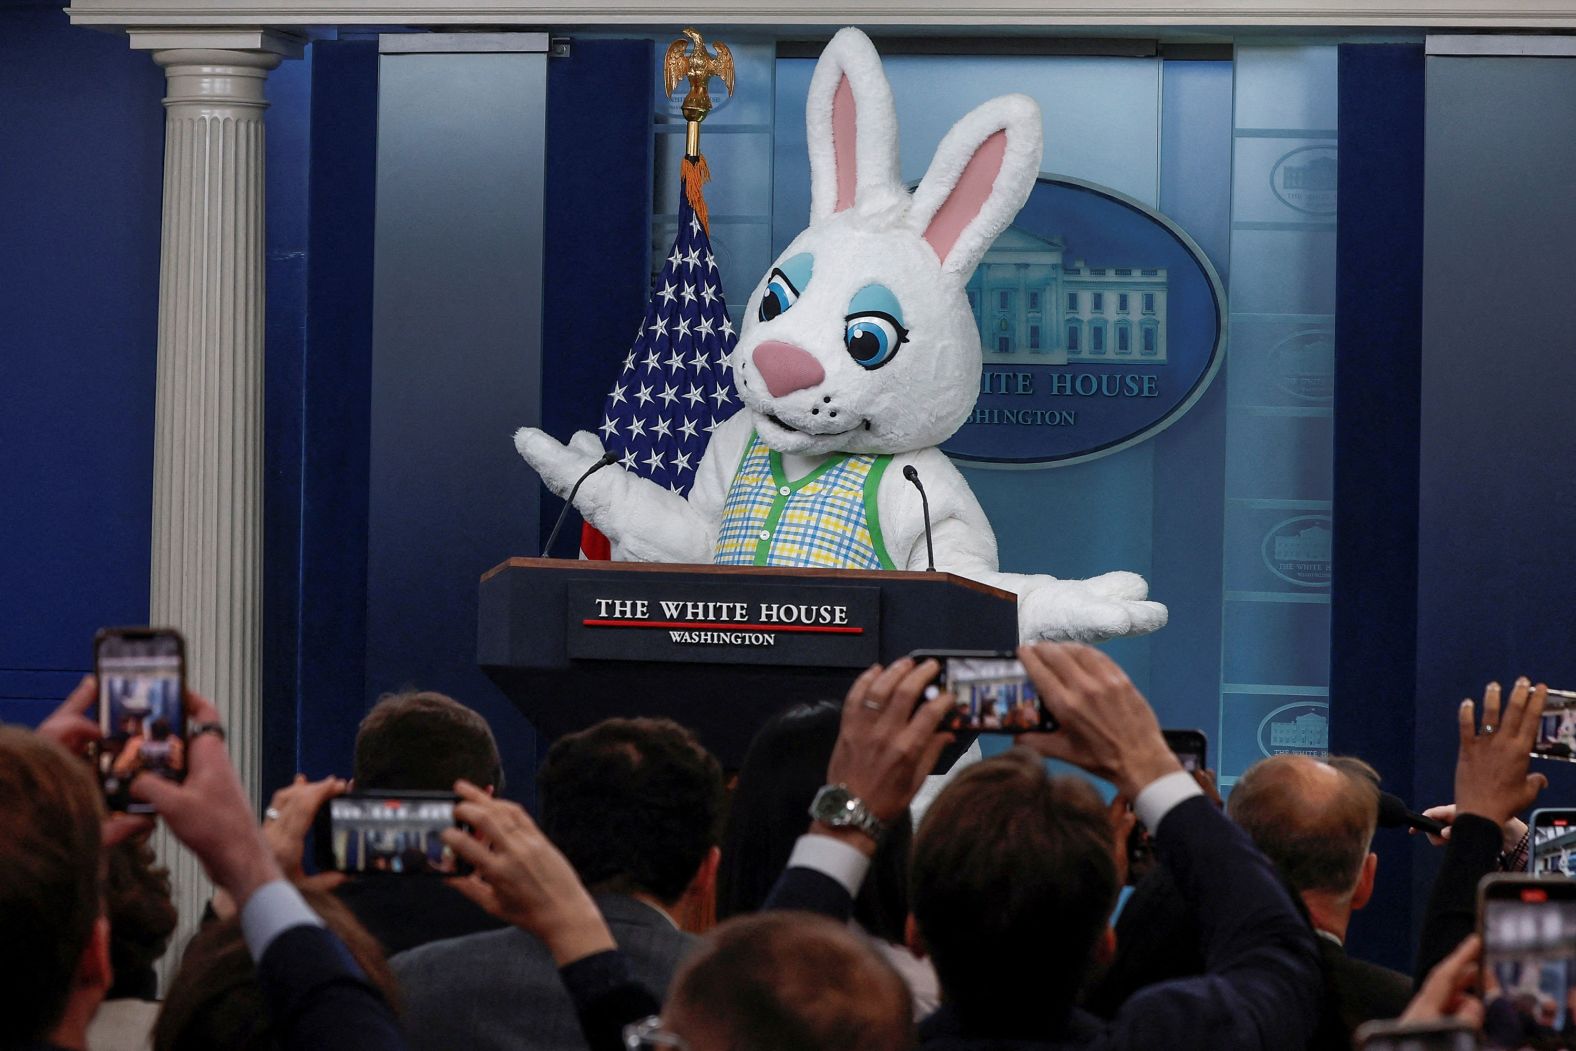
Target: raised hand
1446,992
521,878
290,815
1106,725
886,745
1491,769
209,811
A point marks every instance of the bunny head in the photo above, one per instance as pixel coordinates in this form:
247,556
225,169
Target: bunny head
860,339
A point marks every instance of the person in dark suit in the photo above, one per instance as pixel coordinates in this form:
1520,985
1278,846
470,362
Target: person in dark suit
634,804
1315,820
315,993
1013,880
419,742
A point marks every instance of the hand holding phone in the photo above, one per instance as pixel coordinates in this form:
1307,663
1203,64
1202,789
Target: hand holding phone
887,742
1107,727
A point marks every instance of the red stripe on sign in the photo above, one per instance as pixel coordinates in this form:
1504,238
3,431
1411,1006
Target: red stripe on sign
821,629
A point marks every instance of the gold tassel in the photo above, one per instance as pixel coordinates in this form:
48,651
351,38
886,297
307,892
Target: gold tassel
696,175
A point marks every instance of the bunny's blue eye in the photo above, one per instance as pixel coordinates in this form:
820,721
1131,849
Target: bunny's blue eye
785,284
779,295
873,337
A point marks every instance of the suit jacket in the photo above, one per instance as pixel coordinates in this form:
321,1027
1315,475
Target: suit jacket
318,997
1157,939
404,912
1360,991
502,990
1261,987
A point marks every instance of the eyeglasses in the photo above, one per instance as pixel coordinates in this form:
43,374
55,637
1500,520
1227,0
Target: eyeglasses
648,1034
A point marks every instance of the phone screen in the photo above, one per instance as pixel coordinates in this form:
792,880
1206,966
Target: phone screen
1553,843
994,695
1557,730
397,835
141,711
1529,963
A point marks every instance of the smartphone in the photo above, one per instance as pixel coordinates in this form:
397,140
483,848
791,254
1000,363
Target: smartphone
1528,977
387,833
1553,850
1441,1034
1557,730
141,709
1190,746
994,694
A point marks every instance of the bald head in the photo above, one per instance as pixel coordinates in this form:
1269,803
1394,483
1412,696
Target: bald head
1314,820
789,981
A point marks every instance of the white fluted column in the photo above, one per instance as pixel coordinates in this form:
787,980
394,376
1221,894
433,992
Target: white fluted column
208,417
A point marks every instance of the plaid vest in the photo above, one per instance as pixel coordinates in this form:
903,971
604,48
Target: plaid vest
827,519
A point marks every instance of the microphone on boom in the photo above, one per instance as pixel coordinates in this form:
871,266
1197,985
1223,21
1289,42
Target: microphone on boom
912,474
606,459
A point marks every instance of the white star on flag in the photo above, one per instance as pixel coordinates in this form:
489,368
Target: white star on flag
686,327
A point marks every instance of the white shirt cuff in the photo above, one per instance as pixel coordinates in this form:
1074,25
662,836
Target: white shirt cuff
1161,794
831,857
271,910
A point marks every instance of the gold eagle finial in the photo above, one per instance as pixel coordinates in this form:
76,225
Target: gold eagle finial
687,59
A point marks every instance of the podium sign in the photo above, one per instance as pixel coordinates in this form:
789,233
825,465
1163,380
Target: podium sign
635,618
721,649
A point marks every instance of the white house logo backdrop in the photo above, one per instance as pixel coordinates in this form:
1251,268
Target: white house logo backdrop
1101,323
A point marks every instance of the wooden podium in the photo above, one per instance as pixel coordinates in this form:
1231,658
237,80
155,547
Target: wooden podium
718,648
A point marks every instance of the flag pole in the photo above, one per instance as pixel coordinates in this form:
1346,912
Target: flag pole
688,59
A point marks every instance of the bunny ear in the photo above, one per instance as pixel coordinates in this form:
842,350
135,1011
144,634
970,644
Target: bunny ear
981,175
851,125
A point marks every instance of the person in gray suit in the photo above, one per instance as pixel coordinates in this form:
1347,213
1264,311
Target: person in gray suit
634,804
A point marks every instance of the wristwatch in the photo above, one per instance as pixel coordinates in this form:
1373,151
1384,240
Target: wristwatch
836,807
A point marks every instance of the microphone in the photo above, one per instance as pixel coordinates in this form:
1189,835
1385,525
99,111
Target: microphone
606,459
912,475
1393,813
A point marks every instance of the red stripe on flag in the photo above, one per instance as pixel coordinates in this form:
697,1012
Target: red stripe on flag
593,545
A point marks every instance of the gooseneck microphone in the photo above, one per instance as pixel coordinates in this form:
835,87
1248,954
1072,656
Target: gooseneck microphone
912,475
1394,813
607,458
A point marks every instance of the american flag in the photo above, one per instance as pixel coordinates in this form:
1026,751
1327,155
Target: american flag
674,388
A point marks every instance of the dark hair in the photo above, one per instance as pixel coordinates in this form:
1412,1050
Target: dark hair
141,917
788,981
425,741
50,882
1013,879
633,804
783,769
160,729
216,1001
1314,820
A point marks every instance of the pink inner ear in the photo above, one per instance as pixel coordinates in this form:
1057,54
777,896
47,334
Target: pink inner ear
968,196
845,136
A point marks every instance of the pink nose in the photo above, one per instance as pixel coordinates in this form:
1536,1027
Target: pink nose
786,368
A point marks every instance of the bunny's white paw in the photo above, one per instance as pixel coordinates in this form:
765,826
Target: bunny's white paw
1088,610
559,465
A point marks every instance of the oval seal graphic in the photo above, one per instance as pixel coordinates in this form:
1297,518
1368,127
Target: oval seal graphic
1302,728
1304,179
1298,550
1304,365
1101,324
